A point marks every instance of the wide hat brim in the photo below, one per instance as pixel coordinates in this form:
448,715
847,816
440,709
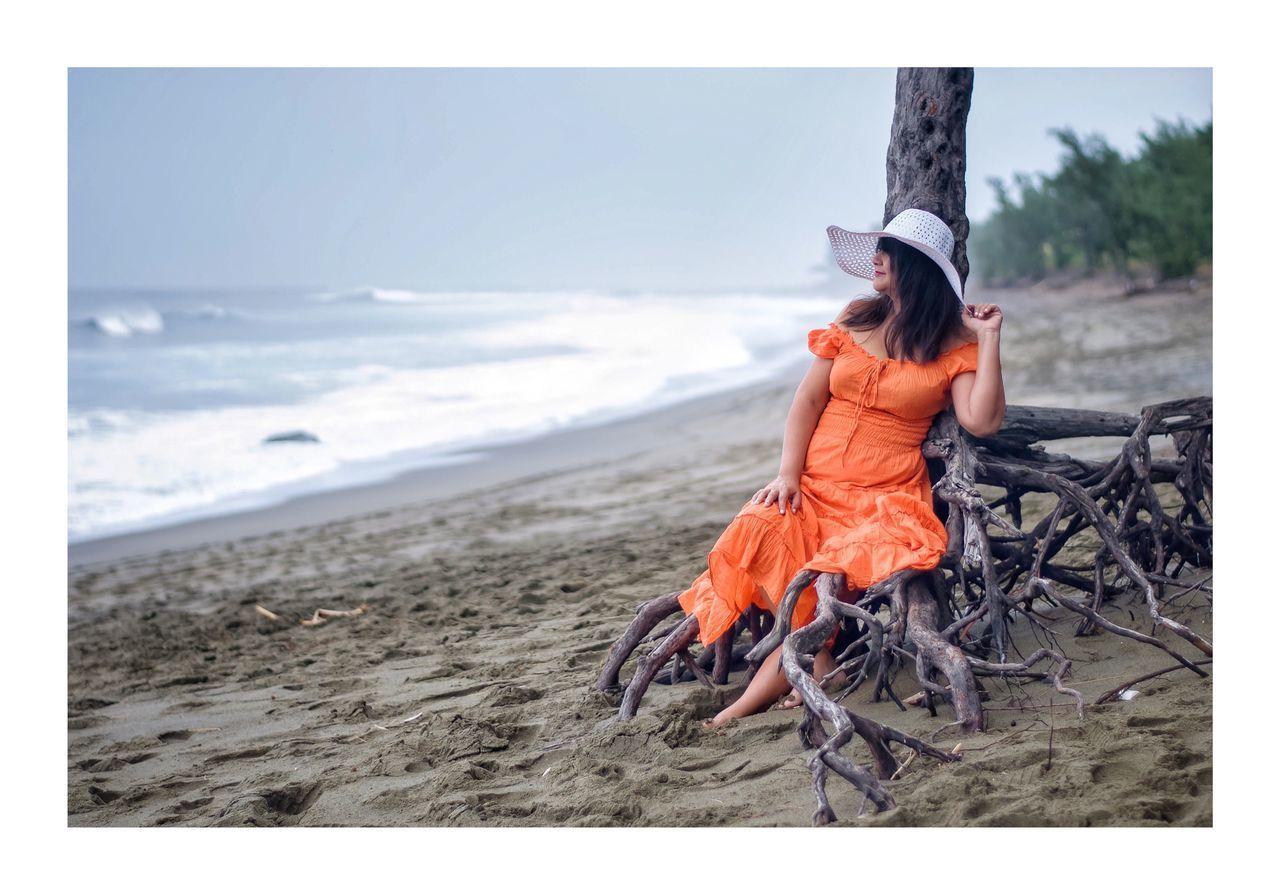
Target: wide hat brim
854,251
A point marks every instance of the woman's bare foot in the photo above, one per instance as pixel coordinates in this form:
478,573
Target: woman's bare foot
729,713
765,688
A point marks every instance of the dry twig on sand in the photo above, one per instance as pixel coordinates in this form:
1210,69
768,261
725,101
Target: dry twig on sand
323,615
319,617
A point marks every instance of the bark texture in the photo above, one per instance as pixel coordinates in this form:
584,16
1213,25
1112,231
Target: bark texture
925,163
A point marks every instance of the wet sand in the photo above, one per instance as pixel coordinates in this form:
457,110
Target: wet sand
461,695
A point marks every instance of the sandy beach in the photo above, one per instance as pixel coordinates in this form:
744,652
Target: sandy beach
488,594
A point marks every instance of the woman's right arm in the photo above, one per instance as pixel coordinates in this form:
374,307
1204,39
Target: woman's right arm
807,406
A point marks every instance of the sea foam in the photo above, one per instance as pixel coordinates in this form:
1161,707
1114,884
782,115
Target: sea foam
458,374
126,322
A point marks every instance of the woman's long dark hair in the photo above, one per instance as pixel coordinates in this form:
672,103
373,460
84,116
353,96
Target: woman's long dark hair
928,307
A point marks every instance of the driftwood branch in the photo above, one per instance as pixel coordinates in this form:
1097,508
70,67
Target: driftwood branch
1114,693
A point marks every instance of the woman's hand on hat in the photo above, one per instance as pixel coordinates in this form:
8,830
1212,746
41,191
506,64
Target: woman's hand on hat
982,318
785,490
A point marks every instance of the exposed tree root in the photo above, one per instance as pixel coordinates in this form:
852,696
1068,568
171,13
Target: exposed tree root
819,707
685,633
648,615
953,623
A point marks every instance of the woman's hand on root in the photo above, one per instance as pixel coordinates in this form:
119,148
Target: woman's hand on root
784,490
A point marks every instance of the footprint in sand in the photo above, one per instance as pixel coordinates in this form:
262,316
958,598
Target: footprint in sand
270,808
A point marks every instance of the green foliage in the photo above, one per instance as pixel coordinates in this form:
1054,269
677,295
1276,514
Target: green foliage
1103,210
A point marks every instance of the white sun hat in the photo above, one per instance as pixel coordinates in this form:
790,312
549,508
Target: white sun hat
917,228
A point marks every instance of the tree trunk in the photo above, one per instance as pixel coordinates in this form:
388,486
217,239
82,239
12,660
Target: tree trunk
926,159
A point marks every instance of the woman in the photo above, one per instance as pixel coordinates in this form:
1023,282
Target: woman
852,493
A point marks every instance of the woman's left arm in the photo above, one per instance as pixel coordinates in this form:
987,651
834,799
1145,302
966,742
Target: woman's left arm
978,397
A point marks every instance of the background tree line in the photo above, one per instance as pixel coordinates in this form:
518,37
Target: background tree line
1150,214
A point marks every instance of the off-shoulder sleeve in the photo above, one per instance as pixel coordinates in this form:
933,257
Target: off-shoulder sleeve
963,360
825,342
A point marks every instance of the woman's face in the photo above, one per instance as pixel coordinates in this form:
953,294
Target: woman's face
883,277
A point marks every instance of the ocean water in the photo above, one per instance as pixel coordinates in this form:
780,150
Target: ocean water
172,395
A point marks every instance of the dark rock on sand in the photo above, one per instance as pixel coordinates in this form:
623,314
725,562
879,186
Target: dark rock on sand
295,435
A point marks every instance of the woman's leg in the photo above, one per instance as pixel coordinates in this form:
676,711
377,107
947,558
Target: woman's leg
823,662
849,594
768,684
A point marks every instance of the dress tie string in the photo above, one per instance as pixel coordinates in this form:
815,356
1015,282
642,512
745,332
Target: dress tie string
867,394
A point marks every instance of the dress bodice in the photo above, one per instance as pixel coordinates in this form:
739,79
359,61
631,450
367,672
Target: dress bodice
880,409
894,392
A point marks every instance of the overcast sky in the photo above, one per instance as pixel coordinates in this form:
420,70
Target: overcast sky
650,179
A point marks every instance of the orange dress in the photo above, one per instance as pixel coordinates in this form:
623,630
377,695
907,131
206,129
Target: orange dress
865,498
